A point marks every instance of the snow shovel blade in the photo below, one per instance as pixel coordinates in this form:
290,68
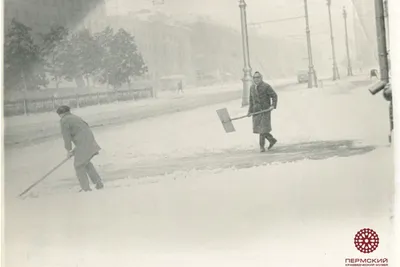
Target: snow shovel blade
226,120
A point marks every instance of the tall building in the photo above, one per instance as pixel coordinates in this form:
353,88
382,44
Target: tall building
217,51
40,15
204,51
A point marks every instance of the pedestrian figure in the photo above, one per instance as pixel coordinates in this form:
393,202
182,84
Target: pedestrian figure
373,73
77,131
180,87
262,97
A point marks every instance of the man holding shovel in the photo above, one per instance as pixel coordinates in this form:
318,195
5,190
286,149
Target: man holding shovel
262,97
77,131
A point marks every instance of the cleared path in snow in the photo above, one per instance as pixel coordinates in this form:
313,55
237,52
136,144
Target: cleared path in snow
282,153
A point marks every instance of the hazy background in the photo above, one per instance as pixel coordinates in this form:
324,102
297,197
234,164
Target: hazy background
202,38
360,17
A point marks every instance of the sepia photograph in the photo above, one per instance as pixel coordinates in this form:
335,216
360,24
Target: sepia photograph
193,133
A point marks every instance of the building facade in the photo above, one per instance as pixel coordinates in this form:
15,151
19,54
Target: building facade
165,47
216,51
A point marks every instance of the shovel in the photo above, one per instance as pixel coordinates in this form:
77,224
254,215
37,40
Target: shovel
227,120
44,177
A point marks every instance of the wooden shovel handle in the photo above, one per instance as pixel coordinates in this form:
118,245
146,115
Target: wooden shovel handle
44,177
255,113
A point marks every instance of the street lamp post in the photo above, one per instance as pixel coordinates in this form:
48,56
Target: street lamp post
312,76
349,68
247,78
335,68
386,12
381,37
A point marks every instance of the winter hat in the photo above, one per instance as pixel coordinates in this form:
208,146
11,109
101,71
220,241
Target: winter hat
63,109
257,72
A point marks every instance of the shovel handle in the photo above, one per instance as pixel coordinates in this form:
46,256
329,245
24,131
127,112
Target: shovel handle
255,113
44,177
238,118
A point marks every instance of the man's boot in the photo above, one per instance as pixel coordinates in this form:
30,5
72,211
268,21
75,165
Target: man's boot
85,190
262,143
99,185
272,141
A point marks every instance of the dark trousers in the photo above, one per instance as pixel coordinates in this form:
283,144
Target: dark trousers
267,136
85,170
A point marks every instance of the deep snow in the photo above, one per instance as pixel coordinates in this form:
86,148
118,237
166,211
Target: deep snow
303,213
296,214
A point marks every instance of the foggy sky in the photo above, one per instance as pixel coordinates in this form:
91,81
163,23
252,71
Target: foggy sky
227,12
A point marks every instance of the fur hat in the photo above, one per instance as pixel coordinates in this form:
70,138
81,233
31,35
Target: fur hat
63,109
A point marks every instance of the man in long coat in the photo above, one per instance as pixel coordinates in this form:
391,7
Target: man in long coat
262,97
75,130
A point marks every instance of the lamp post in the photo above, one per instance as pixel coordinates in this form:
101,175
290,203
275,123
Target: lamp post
349,69
334,68
247,78
383,55
386,12
381,37
312,76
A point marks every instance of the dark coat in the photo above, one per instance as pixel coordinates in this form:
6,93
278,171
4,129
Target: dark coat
373,73
77,131
387,94
262,97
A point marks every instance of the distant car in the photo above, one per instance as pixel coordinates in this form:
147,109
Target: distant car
302,76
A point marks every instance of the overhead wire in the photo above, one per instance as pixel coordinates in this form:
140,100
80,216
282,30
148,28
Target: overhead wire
276,20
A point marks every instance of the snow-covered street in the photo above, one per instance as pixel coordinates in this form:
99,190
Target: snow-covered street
179,191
